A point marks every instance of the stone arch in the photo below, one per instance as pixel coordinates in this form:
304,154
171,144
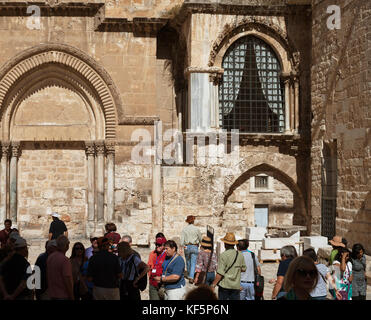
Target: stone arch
300,214
48,76
86,70
264,29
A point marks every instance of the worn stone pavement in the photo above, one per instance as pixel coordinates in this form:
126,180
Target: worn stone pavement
269,269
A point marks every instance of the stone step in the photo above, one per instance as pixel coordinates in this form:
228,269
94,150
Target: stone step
141,205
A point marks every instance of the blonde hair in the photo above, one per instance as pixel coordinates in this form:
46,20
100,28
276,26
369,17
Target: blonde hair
301,262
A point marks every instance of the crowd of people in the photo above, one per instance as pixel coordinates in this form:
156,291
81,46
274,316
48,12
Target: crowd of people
110,269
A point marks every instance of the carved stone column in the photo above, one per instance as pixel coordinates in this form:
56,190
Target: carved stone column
296,94
110,147
13,180
287,104
156,181
4,179
100,148
90,153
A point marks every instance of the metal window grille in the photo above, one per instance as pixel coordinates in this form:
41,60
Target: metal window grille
329,192
261,182
251,94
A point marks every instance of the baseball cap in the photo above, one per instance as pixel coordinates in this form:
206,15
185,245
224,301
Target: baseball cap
51,243
160,240
20,243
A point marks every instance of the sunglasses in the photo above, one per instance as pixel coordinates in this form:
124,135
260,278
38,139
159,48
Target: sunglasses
303,273
79,248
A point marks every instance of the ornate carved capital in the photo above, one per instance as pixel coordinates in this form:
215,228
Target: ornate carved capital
100,147
89,148
5,148
15,148
110,147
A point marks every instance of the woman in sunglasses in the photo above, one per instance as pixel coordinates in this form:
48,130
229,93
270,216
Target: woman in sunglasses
77,261
301,278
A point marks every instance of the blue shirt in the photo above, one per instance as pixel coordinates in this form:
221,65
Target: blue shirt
174,266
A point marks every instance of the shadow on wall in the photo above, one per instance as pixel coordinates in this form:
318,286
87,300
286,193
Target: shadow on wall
360,228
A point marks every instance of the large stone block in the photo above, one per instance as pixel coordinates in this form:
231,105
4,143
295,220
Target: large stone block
255,233
264,254
315,241
278,243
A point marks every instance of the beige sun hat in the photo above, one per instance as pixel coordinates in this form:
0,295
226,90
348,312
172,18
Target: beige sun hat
229,238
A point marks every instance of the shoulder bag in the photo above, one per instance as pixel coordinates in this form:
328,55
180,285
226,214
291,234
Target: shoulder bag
258,280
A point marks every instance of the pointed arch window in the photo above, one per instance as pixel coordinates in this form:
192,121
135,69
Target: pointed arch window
251,93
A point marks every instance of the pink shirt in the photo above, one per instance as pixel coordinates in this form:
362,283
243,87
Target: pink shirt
58,266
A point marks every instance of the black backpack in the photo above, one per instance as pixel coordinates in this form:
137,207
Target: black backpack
142,283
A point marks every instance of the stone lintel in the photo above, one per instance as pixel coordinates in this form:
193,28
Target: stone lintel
74,9
134,120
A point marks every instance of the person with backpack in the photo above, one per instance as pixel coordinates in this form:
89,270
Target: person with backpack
320,291
134,272
228,275
252,267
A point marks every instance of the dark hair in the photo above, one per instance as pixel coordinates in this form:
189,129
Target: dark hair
228,246
243,244
202,292
160,235
7,220
172,244
112,227
311,253
106,227
73,253
357,247
46,244
344,241
341,250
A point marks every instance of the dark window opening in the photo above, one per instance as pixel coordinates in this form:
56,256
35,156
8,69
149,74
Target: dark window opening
251,94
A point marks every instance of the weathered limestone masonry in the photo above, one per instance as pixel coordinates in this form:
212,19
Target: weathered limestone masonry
341,136
76,88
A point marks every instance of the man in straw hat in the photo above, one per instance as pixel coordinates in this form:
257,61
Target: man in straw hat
190,239
57,227
228,274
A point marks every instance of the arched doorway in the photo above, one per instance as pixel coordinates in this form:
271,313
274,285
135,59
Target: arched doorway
58,124
293,211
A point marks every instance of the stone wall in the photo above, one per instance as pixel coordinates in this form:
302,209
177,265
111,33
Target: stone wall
51,178
341,94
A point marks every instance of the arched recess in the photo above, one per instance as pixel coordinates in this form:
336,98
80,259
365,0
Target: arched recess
272,35
46,77
81,72
300,213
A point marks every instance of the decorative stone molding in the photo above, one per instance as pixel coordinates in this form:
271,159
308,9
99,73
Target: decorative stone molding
133,120
215,73
262,24
100,147
15,149
74,59
89,148
5,148
110,147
